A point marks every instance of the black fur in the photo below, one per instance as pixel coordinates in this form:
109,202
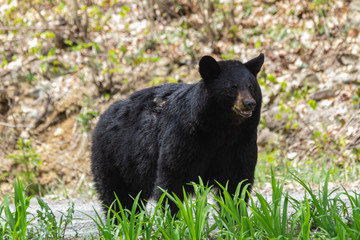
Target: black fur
170,135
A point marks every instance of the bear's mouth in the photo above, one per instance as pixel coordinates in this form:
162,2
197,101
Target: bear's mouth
243,113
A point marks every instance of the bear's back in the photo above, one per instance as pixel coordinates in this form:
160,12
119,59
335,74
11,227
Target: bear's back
125,138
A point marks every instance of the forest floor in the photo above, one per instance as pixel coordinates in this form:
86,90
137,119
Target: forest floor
60,70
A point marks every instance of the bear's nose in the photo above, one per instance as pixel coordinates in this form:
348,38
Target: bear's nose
249,104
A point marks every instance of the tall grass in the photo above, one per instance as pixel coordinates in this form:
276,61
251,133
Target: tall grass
231,218
194,212
16,223
15,220
320,214
273,216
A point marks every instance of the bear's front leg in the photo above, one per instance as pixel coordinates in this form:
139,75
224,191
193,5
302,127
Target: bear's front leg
173,185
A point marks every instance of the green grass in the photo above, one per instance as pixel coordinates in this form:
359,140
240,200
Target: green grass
317,167
15,222
15,226
320,214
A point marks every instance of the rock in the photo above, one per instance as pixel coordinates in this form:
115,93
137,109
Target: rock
25,134
355,5
343,78
58,132
323,94
162,71
291,155
349,59
267,137
275,119
309,77
41,89
354,15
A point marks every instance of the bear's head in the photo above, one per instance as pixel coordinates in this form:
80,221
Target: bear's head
232,85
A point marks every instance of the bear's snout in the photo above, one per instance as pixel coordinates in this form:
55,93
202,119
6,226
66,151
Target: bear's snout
244,105
249,104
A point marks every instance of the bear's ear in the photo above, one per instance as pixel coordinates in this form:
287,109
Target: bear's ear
208,68
254,65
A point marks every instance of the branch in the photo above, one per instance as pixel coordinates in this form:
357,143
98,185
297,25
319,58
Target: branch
11,125
31,28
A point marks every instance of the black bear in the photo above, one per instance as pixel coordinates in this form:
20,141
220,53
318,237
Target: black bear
167,136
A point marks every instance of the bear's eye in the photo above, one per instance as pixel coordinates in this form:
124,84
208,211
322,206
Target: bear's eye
250,87
235,87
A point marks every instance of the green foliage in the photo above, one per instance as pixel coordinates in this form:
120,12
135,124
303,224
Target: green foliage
158,80
86,114
312,103
169,226
124,10
321,7
233,213
304,216
194,213
271,78
355,99
28,160
352,227
84,118
30,77
325,208
16,222
322,214
273,217
301,93
257,44
47,226
247,8
130,222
